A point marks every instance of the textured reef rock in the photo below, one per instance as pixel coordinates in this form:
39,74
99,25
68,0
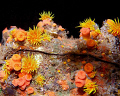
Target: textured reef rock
43,61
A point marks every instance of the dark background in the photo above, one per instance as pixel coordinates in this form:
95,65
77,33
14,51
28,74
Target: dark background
25,14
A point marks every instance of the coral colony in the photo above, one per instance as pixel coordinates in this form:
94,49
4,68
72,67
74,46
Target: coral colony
43,61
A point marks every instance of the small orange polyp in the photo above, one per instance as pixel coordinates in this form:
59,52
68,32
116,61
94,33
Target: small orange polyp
20,36
30,90
17,66
88,67
91,43
102,75
83,62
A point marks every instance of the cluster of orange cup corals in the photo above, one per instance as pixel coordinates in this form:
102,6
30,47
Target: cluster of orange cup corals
14,63
39,33
88,29
81,81
89,32
85,33
22,81
17,34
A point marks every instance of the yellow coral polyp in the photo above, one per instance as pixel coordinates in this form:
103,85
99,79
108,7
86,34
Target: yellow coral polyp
34,36
29,64
40,79
114,27
46,37
88,23
46,15
90,87
37,35
7,67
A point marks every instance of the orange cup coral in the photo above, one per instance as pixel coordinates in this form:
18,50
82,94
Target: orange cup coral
15,82
88,67
20,37
16,57
85,33
80,78
21,81
81,75
30,90
17,66
28,77
91,43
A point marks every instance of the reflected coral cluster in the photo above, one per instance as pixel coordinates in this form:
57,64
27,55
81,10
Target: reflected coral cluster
43,61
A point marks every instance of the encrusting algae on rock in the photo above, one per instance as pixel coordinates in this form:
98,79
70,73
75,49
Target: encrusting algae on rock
43,61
